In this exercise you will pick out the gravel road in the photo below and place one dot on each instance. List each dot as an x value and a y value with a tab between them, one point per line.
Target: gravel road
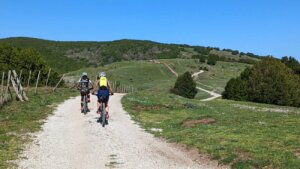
72	140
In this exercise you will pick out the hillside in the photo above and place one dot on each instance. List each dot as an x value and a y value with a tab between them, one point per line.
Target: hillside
69	56
146	75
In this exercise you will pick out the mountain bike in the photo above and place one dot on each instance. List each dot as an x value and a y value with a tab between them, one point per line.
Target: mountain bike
102	110
84	102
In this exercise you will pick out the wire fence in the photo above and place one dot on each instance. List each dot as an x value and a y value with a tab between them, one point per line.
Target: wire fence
11	82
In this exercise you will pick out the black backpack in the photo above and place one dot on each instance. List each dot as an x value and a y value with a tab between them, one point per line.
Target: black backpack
84	82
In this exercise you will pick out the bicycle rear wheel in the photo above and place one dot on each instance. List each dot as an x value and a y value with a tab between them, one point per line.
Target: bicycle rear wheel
103	114
84	104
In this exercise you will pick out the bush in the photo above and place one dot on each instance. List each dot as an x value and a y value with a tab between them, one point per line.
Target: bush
236	89
268	81
185	86
235	52
212	59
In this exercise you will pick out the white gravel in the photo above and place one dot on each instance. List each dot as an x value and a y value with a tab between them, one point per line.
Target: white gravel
72	140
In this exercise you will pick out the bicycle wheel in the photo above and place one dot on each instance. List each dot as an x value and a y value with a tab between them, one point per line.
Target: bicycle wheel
84	104
103	114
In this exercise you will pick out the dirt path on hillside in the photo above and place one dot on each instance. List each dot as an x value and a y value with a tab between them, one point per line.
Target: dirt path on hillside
194	75
213	94
172	70
70	139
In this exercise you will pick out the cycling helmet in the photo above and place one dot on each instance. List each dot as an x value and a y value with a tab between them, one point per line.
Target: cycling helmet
84	74
102	74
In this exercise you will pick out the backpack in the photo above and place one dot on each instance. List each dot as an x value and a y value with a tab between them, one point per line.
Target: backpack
103	82
84	83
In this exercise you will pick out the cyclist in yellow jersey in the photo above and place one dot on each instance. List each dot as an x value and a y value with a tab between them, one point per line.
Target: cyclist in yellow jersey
104	88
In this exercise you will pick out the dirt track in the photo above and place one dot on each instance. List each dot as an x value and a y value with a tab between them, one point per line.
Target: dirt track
70	139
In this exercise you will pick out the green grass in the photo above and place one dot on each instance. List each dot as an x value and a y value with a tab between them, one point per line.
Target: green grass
142	75
19	119
245	135
139	74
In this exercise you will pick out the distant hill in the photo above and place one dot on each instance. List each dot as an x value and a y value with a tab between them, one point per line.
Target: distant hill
67	56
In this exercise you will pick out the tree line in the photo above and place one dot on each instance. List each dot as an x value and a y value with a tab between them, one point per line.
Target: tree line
212	59
25	60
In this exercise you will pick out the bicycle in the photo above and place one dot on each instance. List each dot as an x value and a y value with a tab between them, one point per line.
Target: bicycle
84	102
102	110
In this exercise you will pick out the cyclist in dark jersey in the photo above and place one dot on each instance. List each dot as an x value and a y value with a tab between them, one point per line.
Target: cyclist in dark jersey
85	85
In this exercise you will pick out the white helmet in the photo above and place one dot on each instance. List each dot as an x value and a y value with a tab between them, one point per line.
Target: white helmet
84	74
102	74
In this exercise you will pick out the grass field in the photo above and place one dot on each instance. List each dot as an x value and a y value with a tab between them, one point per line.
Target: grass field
139	74
142	75
241	134
19	119
146	75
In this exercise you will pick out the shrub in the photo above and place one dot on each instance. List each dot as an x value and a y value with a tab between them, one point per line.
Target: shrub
268	81
185	86
235	52
212	59
202	59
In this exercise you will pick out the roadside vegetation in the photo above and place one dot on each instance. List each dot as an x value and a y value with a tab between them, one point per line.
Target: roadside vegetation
26	60
240	134
19	119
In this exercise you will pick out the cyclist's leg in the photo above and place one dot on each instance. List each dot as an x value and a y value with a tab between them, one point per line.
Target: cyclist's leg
107	109
88	97
98	106
106	103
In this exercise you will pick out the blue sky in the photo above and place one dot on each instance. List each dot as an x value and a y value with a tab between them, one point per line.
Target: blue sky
259	26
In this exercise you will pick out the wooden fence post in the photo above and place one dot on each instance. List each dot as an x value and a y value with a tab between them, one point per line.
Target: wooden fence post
20	75
2	83
2	90
8	79
37	82
48	77
17	85
58	82
29	79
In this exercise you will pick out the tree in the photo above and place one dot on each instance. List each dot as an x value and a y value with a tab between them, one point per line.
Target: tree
273	82
235	52
202	59
292	63
185	86
268	81
212	59
236	89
